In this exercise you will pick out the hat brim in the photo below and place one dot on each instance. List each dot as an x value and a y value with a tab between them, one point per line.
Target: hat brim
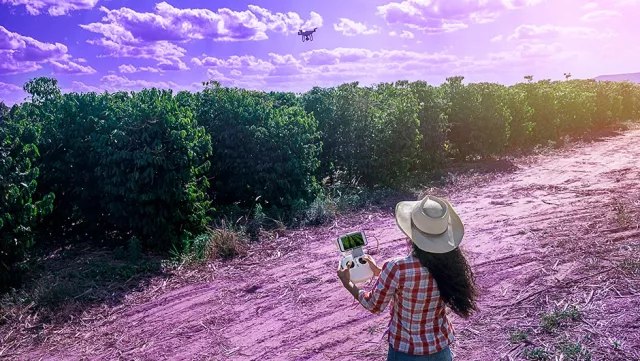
427	242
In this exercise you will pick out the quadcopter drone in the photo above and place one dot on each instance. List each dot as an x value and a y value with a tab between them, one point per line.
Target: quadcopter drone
307	35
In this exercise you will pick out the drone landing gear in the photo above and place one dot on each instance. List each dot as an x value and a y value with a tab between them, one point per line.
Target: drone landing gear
307	38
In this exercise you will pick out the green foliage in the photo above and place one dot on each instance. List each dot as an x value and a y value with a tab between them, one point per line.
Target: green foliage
261	149
151	167
368	133
521	126
146	167
134	250
576	107
126	163
518	336
344	124
42	90
478	117
574	351
396	136
432	152
541	97
536	354
20	207
551	321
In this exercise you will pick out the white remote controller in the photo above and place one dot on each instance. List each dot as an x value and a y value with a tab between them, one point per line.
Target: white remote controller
359	269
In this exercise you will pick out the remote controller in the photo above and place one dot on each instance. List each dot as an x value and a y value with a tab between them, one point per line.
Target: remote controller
350	246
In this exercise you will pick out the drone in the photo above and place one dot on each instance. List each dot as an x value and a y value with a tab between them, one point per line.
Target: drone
307	35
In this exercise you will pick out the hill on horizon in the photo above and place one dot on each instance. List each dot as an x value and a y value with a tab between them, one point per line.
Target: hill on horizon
632	77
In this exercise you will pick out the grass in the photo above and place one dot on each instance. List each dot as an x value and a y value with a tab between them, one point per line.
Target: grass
225	241
518	336
562	349
568	351
60	286
553	320
574	351
536	353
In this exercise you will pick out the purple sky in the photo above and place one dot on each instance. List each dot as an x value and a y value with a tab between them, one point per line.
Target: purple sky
95	45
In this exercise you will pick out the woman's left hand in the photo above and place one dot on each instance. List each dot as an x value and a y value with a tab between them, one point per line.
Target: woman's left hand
344	275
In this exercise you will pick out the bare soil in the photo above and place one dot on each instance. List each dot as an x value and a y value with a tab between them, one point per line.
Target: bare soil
546	232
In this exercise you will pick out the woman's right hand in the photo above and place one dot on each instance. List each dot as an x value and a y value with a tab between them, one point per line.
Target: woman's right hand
374	267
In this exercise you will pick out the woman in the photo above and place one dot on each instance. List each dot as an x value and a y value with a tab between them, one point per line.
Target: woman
433	276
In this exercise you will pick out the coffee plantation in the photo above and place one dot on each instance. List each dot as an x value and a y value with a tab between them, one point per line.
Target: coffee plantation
159	167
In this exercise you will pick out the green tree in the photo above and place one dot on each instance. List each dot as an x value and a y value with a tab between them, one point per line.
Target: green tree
432	152
261	149
20	208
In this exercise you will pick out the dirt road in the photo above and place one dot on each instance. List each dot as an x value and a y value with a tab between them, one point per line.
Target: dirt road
558	231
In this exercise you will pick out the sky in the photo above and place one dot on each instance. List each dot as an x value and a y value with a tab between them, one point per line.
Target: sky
111	45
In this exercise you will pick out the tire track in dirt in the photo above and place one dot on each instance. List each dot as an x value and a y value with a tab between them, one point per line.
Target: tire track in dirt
291	306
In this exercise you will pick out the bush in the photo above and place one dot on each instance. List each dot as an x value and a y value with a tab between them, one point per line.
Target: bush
145	167
127	164
432	151
368	133
478	118
261	151
396	136
20	208
576	106
521	112
344	122
542	99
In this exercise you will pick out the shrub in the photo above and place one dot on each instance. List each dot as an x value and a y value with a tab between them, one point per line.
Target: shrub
134	164
396	136
432	152
541	98
261	151
368	133
576	105
151	161
20	208
521	112
137	167
344	120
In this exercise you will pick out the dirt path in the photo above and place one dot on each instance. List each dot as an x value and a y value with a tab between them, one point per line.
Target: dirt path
557	231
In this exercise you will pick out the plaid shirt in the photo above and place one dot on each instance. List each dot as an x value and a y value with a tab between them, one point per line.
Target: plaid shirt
419	324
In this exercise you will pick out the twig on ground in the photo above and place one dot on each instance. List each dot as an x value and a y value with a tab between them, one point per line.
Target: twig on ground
563	284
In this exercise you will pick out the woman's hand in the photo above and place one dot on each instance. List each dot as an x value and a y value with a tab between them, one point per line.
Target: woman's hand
344	275
374	267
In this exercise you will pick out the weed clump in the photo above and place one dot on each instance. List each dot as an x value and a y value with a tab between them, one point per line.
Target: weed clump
551	321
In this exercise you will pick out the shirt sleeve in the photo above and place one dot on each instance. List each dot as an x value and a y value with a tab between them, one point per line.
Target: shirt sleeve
379	297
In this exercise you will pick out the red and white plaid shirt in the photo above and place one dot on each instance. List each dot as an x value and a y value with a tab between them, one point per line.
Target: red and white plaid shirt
419	324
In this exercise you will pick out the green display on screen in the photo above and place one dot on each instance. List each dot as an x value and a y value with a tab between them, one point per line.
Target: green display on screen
352	241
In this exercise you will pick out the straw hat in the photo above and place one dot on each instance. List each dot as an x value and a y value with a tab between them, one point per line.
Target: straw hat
431	223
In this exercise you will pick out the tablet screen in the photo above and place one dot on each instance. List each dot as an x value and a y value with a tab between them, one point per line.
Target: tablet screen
351	241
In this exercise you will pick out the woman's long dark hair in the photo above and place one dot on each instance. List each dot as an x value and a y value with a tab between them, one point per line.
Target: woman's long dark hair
454	277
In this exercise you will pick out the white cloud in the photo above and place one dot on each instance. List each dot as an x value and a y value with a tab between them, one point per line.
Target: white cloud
443	16
53	7
600	15
130	69
351	28
546	32
70	68
405	34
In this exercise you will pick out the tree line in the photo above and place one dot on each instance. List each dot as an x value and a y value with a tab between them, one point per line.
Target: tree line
159	165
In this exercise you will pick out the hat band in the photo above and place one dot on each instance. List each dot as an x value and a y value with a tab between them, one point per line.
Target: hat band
449	231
